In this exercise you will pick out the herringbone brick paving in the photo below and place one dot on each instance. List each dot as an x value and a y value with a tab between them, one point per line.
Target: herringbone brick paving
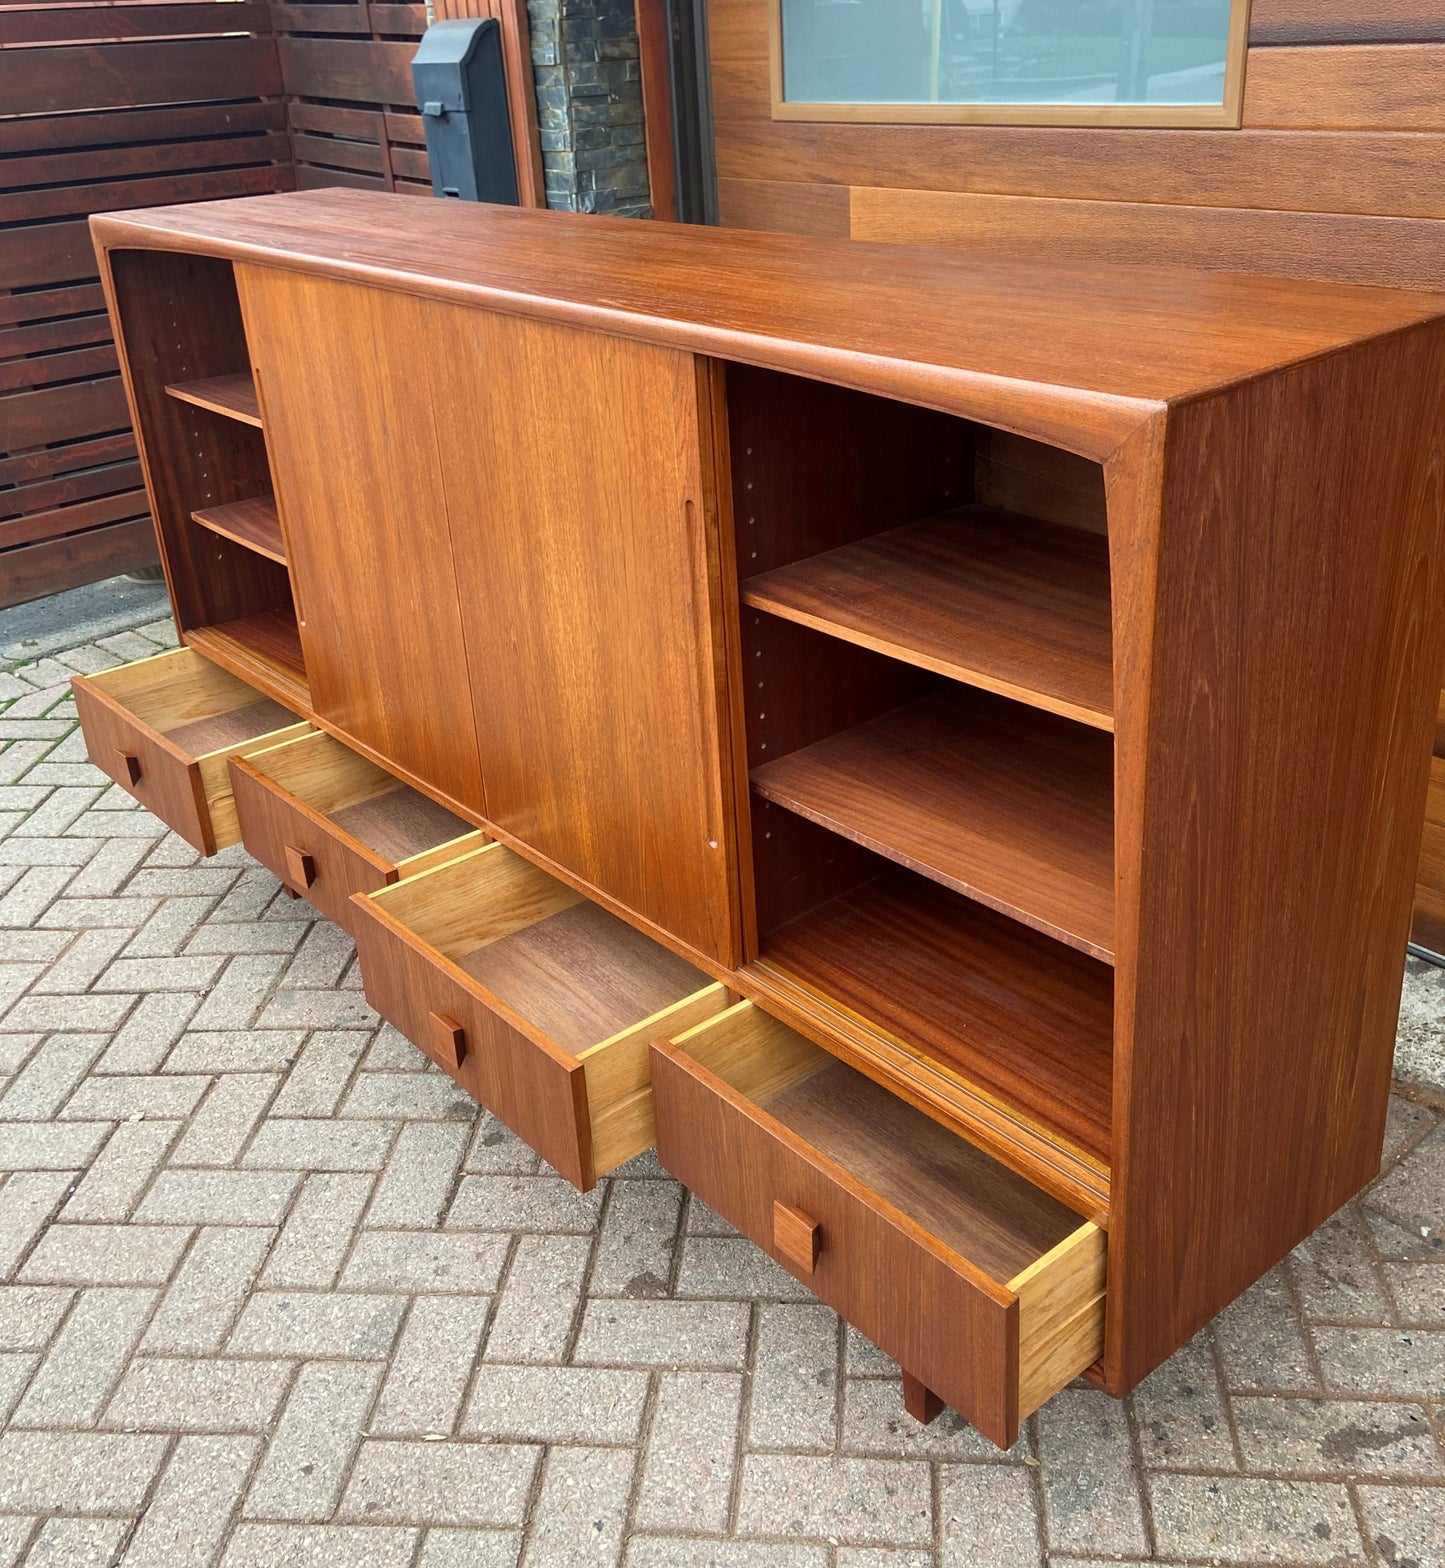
273	1292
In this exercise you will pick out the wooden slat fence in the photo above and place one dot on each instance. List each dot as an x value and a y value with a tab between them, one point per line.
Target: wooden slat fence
346	69
104	106
138	103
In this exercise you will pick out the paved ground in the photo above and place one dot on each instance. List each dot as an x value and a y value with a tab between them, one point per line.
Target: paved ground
273	1293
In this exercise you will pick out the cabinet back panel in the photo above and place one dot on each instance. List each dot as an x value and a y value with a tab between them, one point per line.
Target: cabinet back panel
816	466
179	320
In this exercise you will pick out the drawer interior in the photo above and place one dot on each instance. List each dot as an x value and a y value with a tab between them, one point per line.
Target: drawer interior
197	706
957	1193
392	819
567	966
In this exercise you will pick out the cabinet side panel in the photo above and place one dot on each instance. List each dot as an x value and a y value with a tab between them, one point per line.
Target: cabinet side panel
343	376
587	565
1274	748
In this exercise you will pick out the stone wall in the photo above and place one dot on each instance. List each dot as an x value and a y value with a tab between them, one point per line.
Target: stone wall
589	105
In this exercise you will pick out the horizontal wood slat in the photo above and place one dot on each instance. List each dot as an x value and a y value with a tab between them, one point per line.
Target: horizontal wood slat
46	253
113	76
77	23
361	72
339	152
1392	174
118	195
1344	21
113	128
93	164
1392	87
40	370
63	413
1402	252
104	107
45	337
37	569
793	208
69	487
72	519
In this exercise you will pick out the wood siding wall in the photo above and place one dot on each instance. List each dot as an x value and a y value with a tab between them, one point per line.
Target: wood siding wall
1335	172
104	107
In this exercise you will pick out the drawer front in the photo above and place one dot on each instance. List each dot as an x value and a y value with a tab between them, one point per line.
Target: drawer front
585	1105
162	777
950	1326
537	1090
191	793
310	854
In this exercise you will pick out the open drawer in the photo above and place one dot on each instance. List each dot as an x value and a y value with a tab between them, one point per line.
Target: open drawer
165	729
988	1292
540	1003
331	824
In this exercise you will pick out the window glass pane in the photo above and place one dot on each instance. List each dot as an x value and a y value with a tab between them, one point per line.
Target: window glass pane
1005	51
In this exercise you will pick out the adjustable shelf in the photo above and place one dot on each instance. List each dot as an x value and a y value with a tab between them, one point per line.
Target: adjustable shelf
234	396
1008	603
254	523
1023	1018
1012	807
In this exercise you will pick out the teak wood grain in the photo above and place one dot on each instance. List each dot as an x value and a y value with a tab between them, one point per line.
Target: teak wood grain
1012	807
585	544
234	396
1271	460
551	1033
1074	353
1297	700
254	523
1008	603
316	804
165	728
1027	1020
370	549
913	1235
177	319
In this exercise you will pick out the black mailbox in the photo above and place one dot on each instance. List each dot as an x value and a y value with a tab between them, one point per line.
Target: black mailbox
462	95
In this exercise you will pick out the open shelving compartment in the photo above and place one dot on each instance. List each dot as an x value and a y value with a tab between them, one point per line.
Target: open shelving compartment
927	671
196	401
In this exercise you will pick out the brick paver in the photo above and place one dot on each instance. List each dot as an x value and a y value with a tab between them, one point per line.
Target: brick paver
273	1293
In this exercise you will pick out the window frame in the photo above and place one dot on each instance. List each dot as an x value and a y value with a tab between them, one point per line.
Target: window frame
1226	115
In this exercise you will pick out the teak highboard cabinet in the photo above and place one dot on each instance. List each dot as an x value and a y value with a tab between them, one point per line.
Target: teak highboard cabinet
937	743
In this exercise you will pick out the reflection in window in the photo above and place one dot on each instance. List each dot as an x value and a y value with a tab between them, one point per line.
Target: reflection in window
1005	51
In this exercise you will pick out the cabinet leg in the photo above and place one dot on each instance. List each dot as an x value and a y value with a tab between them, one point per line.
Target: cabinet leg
290	892
920	1401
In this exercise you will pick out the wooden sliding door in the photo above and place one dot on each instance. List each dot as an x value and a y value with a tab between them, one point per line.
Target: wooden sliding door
344	378
583	528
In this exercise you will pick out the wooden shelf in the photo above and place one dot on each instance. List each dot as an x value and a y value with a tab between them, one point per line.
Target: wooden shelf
233	396
254	523
1008	603
1012	807
264	648
1022	1018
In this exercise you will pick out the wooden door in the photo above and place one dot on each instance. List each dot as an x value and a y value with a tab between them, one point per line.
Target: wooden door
344	379
583	532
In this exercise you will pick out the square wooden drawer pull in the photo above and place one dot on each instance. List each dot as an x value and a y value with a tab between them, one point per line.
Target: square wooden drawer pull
797	1236
129	766
448	1040
300	867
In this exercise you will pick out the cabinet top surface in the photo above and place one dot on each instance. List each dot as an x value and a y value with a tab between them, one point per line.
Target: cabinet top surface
1078	353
